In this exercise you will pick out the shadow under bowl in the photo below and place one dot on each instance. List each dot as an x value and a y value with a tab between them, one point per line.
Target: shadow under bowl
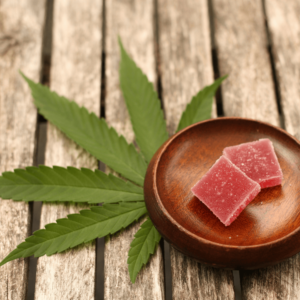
266	232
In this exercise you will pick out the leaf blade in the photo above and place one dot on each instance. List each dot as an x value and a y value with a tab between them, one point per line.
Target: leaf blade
66	184
90	132
143	106
143	245
199	109
77	229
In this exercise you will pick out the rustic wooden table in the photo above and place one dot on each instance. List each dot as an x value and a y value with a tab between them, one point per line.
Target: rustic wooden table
71	45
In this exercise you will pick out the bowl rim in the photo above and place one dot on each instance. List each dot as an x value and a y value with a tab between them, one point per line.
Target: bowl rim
181	228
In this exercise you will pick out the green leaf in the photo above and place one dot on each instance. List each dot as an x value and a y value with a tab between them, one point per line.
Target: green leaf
143	245
71	184
90	132
199	109
77	229
143	105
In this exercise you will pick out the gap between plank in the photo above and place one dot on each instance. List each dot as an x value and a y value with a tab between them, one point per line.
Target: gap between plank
41	137
165	246
157	57
100	242
237	285
100	246
220	113
219	100
36	208
272	62
214	55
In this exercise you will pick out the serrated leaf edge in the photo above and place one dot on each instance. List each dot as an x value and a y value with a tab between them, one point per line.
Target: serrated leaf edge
157	238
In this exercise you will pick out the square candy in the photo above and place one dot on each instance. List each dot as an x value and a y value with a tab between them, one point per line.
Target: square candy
257	160
225	190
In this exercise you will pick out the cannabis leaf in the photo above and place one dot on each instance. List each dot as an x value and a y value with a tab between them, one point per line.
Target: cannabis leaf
199	109
71	184
143	245
77	229
144	107
90	132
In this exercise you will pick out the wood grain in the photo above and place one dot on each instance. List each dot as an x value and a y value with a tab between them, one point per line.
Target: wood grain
21	27
133	21
280	282
284	26
76	74
186	67
185	54
241	43
199	281
283	280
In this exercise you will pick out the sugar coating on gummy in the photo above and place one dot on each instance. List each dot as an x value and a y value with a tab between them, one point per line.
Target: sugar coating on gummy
258	161
225	190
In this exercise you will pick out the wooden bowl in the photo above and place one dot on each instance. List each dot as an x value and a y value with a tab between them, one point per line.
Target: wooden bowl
266	232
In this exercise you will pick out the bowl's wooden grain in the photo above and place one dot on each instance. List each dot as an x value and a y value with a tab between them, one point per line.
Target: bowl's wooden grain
266	232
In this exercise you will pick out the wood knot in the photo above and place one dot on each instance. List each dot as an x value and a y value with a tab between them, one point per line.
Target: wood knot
7	42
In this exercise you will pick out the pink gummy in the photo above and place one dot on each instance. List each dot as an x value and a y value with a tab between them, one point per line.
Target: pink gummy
257	160
225	190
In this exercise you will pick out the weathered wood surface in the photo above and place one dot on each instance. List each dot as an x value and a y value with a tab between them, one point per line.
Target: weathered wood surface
281	281
284	27
185	54
241	43
76	74
133	21
21	28
186	67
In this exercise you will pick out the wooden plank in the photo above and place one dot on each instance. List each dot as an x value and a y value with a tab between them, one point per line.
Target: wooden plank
284	26
185	53
242	53
281	281
199	281
249	91
133	21
186	67
21	28
76	74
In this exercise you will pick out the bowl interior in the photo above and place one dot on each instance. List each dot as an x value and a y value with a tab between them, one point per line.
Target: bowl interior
274	212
